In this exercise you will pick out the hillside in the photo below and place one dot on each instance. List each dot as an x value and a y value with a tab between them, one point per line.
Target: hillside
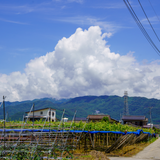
112	105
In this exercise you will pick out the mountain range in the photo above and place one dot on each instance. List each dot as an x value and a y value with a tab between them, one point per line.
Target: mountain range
111	105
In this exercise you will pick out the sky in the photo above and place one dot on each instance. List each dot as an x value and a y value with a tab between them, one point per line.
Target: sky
70	48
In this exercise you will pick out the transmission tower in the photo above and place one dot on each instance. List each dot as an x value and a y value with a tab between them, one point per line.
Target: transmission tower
126	110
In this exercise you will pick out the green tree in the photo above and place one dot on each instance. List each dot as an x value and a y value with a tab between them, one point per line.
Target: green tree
105	119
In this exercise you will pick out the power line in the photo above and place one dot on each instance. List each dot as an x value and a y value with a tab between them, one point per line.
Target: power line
148	20
141	26
154	10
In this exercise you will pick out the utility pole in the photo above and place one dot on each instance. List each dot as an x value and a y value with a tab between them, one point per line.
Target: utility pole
150	113
33	115
4	120
121	114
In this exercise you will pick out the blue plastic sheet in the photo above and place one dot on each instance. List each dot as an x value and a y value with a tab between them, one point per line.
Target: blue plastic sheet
138	132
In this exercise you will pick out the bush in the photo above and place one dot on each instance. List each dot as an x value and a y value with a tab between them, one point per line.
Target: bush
105	119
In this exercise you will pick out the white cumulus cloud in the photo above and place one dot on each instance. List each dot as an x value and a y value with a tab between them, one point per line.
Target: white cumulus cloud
82	65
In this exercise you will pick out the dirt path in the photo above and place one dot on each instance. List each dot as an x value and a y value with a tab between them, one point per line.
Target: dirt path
151	152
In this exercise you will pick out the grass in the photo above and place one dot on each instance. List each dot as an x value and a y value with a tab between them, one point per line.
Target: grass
131	150
127	151
93	155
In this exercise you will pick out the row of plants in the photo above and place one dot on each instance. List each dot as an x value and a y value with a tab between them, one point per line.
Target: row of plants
91	126
26	152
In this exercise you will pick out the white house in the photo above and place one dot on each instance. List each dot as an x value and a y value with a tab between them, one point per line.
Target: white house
45	113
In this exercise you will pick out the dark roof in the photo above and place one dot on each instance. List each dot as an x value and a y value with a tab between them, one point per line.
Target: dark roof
131	117
36	116
79	119
156	126
98	117
146	126
41	109
114	120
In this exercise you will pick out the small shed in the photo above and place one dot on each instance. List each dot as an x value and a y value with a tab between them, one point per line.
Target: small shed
45	113
135	120
65	119
157	126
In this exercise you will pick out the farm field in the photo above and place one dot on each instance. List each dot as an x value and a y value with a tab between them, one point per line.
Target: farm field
91	126
59	137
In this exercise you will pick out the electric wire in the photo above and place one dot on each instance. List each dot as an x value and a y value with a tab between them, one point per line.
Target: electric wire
136	20
139	23
148	20
141	26
154	10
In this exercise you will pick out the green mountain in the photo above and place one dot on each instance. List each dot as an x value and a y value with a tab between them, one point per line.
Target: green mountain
112	105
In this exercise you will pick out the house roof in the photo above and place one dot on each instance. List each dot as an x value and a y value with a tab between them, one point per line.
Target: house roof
146	126
36	116
156	126
98	117
40	109
150	126
132	117
79	119
114	120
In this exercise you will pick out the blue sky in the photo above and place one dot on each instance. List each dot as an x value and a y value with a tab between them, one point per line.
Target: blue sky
32	28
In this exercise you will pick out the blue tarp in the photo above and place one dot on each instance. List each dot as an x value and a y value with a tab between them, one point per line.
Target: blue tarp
138	132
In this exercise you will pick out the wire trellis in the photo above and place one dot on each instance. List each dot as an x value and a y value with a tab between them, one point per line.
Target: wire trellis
45	143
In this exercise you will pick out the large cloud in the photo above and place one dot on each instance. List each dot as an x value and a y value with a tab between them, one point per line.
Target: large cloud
82	65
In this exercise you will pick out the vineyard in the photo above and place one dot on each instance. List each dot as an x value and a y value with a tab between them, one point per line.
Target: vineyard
59	139
91	126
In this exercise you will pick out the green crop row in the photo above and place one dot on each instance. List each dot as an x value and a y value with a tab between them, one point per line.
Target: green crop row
91	126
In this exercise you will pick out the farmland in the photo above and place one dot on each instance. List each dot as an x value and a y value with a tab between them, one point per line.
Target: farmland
56	139
91	126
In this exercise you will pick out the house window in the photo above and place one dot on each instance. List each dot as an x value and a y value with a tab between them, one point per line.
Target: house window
41	113
53	114
49	112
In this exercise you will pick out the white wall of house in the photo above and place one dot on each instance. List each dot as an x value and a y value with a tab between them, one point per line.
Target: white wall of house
44	112
38	113
53	114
